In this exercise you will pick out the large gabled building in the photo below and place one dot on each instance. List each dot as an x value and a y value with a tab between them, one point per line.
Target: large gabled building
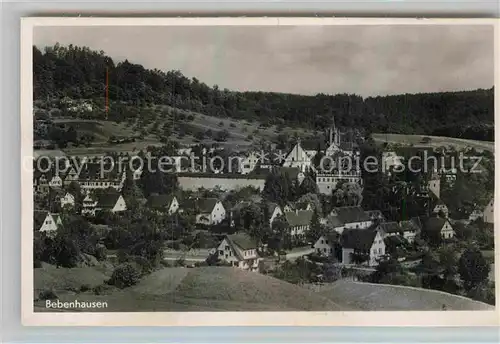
240	251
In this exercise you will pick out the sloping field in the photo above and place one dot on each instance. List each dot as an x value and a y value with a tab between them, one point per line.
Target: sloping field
200	289
383	297
102	130
234	285
436	141
51	277
242	133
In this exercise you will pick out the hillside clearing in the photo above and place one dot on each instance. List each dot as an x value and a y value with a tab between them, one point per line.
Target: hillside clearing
242	133
436	141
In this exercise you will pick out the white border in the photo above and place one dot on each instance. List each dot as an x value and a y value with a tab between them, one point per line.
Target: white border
371	318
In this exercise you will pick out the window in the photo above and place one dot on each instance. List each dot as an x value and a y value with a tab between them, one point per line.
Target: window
221	252
380	250
374	251
227	247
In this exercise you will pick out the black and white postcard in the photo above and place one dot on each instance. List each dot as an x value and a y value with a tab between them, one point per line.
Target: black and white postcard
258	171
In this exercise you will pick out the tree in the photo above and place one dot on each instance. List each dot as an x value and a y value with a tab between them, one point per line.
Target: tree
312	199
473	268
130	190
280	237
251	218
158	182
277	188
387	271
68	254
316	229
76	72
222	135
125	275
308	186
448	260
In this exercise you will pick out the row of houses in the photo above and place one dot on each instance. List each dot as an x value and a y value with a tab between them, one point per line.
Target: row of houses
90	176
370	240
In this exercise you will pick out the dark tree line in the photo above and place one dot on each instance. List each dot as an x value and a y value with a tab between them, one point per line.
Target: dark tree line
78	72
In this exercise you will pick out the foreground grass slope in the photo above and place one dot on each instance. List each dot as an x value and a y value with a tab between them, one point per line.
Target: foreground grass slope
383	297
182	289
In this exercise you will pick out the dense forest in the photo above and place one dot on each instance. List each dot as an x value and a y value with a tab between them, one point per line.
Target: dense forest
80	73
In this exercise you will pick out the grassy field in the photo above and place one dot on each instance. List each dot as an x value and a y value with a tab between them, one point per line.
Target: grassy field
51	277
436	141
183	289
231	289
368	296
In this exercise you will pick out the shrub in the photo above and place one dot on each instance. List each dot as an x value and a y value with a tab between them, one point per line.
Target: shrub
84	288
47	294
165	264
101	253
98	290
124	276
232	125
190	118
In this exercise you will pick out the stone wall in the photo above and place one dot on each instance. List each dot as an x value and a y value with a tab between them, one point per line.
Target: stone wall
194	183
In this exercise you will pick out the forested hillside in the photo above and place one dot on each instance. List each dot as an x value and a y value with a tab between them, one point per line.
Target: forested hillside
79	72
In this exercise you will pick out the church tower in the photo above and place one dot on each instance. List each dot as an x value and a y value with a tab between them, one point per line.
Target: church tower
434	184
334	134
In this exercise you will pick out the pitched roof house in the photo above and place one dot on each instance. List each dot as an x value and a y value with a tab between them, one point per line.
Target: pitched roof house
45	221
112	202
438	206
334	223
366	243
410	229
163	203
352	217
101	176
488	213
299	222
390	228
375	215
273	211
437	225
239	250
209	211
325	245
298	157
67	200
475	214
